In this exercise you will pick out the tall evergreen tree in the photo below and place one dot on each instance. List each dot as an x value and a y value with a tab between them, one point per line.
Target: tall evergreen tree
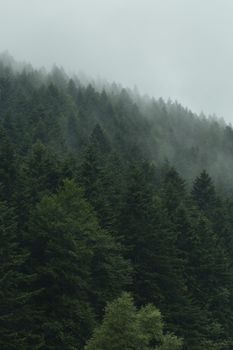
8	168
203	193
14	297
150	241
77	267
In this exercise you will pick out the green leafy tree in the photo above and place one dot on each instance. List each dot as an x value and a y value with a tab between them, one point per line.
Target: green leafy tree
124	327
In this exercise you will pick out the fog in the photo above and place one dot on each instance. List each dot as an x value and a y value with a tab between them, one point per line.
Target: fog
171	48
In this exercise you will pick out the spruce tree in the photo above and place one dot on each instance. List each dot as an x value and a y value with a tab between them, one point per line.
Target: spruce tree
203	193
77	266
14	295
150	241
8	169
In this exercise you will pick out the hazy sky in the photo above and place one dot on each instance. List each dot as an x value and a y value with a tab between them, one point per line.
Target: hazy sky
182	49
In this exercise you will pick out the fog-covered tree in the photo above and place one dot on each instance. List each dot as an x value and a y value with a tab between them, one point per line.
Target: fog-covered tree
136	212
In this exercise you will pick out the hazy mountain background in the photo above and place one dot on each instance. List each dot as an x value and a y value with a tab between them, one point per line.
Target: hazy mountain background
163	132
167	48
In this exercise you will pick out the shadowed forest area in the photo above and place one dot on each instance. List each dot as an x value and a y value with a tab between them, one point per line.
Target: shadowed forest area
116	218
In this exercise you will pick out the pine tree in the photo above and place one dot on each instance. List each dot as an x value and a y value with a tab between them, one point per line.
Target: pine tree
203	193
150	241
14	297
100	174
8	170
77	266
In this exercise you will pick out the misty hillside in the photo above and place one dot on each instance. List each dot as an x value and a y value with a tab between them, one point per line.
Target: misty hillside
116	224
62	113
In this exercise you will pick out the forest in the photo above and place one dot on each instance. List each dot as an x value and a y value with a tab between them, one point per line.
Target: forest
116	218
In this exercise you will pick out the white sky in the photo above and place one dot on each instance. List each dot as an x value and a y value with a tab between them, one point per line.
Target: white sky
182	49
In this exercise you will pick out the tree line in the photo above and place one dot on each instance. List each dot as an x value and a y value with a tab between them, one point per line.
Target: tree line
105	243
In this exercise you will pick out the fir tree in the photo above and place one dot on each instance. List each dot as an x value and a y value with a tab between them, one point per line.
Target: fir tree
14	296
203	193
77	268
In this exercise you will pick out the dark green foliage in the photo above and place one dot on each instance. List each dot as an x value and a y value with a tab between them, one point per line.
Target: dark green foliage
8	171
88	210
67	251
14	296
203	193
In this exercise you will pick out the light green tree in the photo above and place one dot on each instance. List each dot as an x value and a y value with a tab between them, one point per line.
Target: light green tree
126	328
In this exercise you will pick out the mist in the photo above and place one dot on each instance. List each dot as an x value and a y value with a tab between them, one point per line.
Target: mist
169	48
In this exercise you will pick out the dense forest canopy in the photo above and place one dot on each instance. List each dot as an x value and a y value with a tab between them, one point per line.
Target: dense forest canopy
56	109
115	209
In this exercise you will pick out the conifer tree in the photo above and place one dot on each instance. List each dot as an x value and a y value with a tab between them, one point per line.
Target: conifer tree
8	170
203	193
77	266
150	241
14	296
